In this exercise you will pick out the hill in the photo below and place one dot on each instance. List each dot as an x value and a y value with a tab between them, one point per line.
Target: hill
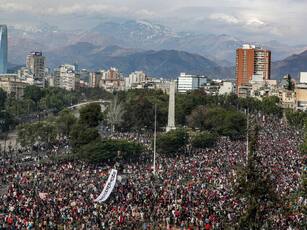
292	65
166	63
136	34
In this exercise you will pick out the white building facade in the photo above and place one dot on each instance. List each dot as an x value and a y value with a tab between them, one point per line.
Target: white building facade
67	77
190	82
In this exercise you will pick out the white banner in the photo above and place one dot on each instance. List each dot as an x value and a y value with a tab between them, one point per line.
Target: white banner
108	188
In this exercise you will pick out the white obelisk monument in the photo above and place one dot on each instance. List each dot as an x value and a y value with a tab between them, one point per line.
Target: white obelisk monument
171	107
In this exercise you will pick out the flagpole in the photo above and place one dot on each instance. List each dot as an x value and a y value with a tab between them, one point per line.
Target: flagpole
247	136
155	141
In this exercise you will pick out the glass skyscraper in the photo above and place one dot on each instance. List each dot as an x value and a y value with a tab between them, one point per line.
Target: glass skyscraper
3	49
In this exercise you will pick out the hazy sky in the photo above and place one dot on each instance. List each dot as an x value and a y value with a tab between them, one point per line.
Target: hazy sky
283	20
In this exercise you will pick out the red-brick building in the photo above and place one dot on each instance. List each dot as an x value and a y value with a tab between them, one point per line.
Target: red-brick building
251	61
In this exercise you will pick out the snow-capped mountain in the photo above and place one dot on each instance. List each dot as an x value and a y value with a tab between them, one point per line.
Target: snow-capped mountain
138	35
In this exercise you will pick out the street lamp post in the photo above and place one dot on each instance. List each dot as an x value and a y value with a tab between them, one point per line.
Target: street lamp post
155	141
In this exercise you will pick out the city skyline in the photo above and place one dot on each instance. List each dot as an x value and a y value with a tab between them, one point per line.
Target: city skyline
244	18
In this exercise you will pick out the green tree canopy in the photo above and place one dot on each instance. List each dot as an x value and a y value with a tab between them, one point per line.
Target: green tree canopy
139	108
38	132
65	121
218	120
296	118
7	121
33	92
90	115
203	140
110	150
270	106
81	135
171	142
3	97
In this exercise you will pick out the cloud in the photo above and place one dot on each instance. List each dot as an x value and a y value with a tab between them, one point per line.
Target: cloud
85	9
224	18
14	7
255	22
269	18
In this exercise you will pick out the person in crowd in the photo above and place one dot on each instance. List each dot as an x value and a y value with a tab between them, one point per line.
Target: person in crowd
192	191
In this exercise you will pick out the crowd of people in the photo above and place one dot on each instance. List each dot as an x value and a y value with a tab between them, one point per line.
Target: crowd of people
194	191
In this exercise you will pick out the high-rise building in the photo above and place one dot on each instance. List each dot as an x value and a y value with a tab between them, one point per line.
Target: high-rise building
94	79
135	80
251	61
112	80
3	49
36	64
67	77
188	82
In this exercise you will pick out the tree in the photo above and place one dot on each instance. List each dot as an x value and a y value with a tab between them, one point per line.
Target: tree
27	134
290	85
24	135
55	101
7	121
256	188
203	140
171	142
46	132
115	113
65	122
234	125
198	118
140	109
270	106
3	97
90	115
218	120
81	134
296	118
33	92
139	114
110	150
40	132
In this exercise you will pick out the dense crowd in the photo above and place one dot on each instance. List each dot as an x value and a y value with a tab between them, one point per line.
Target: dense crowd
193	191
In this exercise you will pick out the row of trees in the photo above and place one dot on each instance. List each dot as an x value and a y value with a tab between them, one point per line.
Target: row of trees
46	132
134	110
83	136
296	118
138	107
99	151
224	122
36	99
180	141
87	144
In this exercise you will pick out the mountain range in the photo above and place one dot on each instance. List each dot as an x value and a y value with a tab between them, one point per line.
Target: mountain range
134	45
292	65
164	63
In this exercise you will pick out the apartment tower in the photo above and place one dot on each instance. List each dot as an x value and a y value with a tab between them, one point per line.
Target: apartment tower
250	61
36	64
3	49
